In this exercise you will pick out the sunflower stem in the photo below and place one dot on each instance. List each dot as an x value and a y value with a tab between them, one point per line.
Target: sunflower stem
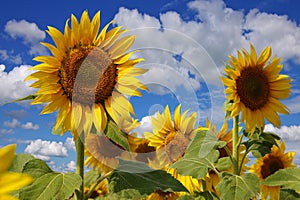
235	145
80	165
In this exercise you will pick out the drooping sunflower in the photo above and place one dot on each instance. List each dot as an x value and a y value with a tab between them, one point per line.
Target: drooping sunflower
87	75
268	165
170	139
255	87
225	135
10	181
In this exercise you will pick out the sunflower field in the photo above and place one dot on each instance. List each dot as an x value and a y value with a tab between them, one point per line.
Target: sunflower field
88	79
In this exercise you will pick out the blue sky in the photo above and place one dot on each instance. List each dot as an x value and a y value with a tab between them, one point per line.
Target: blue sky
185	44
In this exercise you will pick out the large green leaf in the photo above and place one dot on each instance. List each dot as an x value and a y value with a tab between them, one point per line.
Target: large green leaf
36	168
195	166
142	179
129	194
117	136
90	177
235	187
52	186
288	178
202	144
19	162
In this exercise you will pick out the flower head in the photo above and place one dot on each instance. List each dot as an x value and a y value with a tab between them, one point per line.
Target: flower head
87	75
268	165
255	86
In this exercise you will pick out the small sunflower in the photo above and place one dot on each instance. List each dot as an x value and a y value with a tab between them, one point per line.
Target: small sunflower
255	86
10	181
160	195
170	139
87	75
100	190
268	165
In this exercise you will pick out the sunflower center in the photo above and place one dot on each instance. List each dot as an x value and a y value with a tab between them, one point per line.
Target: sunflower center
88	75
271	165
253	88
145	151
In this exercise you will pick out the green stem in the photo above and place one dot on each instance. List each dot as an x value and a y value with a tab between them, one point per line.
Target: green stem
80	165
90	192
243	159
235	145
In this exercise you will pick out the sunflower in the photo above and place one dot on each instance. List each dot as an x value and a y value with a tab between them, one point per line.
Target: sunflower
100	190
268	165
160	195
10	181
212	179
87	75
170	139
254	86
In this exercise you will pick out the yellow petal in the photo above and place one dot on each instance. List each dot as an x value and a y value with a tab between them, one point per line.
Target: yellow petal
121	46
57	37
7	155
101	36
95	26
177	118
13	181
54	105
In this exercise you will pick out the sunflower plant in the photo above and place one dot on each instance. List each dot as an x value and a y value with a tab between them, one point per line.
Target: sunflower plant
88	79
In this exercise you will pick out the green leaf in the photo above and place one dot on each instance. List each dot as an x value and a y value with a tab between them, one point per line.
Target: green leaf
235	187
207	196
223	164
117	136
52	186
129	194
195	166
29	97
90	177
289	194
36	168
202	144
19	162
288	178
143	180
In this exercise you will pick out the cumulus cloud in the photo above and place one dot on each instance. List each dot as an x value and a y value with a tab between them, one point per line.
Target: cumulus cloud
145	126
10	57
71	166
6	131
17	124
291	133
12	83
17	114
29	33
69	144
44	149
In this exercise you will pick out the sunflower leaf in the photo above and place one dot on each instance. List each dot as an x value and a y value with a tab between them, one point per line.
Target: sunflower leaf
36	168
289	194
288	178
29	97
202	144
139	176
195	166
52	186
238	187
19	162
90	177
117	136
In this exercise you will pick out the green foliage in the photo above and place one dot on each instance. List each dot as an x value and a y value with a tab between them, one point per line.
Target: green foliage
138	176
19	162
289	195
117	136
52	186
36	168
207	196
29	97
90	178
129	194
260	144
235	187
288	178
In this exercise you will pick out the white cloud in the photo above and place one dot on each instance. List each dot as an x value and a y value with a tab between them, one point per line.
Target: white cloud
10	57
12	83
17	114
43	149
145	126
17	124
6	131
291	133
29	33
71	166
69	144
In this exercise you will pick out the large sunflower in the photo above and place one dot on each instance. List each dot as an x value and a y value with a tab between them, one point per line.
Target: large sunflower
255	86
268	165
170	139
10	181
87	75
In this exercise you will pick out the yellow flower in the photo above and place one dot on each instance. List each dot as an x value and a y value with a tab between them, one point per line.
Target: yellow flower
100	190
212	179
255	87
10	181
160	195
268	165
87	75
170	139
